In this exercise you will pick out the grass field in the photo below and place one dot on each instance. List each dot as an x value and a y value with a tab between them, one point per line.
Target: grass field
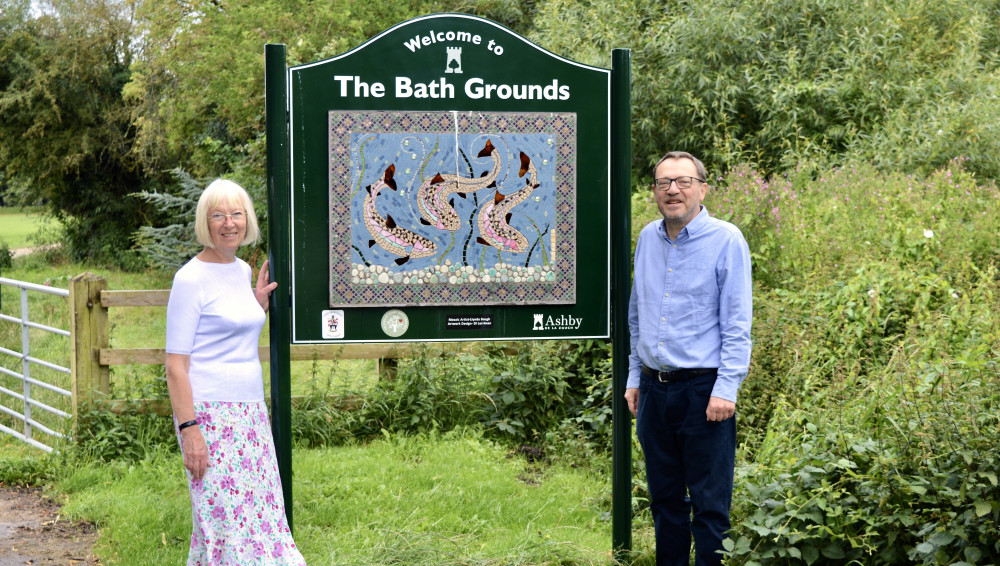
450	499
17	225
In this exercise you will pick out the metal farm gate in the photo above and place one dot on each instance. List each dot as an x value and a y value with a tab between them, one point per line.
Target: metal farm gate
25	399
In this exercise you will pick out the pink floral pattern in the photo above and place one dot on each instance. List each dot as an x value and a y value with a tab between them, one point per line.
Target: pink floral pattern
237	508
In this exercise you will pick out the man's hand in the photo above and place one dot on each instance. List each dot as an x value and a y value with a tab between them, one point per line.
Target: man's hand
632	398
264	287
719	409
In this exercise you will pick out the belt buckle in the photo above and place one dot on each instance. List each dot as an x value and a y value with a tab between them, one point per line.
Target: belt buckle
661	374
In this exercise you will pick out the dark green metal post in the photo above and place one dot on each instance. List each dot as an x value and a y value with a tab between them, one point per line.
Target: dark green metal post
278	197
621	283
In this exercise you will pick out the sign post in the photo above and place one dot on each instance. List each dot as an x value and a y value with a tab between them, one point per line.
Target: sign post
621	269
276	116
448	180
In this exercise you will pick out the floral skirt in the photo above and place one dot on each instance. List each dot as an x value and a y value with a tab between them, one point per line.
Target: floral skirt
237	508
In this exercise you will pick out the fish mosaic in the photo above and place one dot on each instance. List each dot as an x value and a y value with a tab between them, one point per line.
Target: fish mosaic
452	208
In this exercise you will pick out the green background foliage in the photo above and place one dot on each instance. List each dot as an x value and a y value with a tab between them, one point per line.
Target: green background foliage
66	136
904	85
854	143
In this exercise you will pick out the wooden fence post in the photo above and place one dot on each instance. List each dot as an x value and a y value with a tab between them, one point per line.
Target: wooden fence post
89	328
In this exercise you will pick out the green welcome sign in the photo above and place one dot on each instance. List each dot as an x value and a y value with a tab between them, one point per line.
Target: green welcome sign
448	180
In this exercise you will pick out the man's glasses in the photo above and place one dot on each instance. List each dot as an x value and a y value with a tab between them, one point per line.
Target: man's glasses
683	183
219	217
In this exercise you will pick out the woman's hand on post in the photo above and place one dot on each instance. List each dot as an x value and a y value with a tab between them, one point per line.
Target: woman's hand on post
264	286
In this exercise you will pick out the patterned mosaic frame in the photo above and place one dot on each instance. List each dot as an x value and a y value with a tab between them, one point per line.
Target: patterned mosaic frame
363	276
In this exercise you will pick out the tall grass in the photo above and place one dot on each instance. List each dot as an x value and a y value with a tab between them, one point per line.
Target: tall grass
874	386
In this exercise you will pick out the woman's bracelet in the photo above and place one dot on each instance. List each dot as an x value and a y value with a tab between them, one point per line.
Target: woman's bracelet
183	426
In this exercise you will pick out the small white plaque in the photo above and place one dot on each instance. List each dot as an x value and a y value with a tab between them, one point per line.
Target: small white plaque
333	324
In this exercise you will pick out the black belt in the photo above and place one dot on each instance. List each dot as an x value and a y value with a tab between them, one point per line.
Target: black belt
677	374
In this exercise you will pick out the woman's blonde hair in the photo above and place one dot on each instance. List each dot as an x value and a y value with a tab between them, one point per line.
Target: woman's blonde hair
217	193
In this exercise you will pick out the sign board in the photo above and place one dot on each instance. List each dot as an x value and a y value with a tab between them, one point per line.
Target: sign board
449	181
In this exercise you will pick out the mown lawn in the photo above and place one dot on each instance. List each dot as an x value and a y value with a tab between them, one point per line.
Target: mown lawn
456	499
17	225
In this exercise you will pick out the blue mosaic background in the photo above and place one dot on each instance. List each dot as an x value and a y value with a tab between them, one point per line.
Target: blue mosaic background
418	158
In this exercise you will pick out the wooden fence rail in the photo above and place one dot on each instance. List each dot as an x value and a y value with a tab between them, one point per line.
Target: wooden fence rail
93	356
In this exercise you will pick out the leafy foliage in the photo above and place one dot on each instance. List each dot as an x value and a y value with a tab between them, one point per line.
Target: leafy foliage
871	437
65	136
32	470
171	245
197	97
529	395
908	84
129	435
6	256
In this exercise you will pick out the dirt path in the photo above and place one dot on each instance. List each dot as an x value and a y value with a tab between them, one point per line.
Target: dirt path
19	252
32	532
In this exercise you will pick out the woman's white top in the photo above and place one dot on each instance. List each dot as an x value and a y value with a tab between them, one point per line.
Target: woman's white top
214	317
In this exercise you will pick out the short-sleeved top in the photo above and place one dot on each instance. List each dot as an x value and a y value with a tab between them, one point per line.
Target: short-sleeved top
214	317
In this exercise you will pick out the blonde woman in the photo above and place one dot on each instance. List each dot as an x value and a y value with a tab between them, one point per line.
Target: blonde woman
214	319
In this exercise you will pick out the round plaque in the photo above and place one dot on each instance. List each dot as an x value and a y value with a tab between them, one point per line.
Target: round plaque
395	323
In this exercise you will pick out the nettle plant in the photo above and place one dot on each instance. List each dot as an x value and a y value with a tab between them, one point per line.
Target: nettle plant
891	461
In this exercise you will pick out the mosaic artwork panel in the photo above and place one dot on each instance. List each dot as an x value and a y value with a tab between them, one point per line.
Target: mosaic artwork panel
452	208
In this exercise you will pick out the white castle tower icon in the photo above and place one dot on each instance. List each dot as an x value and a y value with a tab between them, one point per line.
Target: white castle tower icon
454	62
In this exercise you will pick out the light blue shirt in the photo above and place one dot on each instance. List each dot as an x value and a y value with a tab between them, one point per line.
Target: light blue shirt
691	303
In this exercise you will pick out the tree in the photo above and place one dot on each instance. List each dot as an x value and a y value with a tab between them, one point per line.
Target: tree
65	134
908	84
198	95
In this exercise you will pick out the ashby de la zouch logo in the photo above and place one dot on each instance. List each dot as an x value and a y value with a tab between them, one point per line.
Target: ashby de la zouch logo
561	322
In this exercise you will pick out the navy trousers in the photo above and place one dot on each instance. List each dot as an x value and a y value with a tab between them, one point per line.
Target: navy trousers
689	468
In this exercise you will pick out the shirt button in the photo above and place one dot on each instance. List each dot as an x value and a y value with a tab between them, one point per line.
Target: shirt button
661	343
671	270
663	319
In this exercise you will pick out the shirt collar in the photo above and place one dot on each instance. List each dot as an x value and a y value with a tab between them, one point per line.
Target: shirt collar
693	227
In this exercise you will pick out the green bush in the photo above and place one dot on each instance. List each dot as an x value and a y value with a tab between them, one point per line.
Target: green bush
6	256
318	422
129	435
546	382
429	392
33	470
874	391
426	393
906	472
